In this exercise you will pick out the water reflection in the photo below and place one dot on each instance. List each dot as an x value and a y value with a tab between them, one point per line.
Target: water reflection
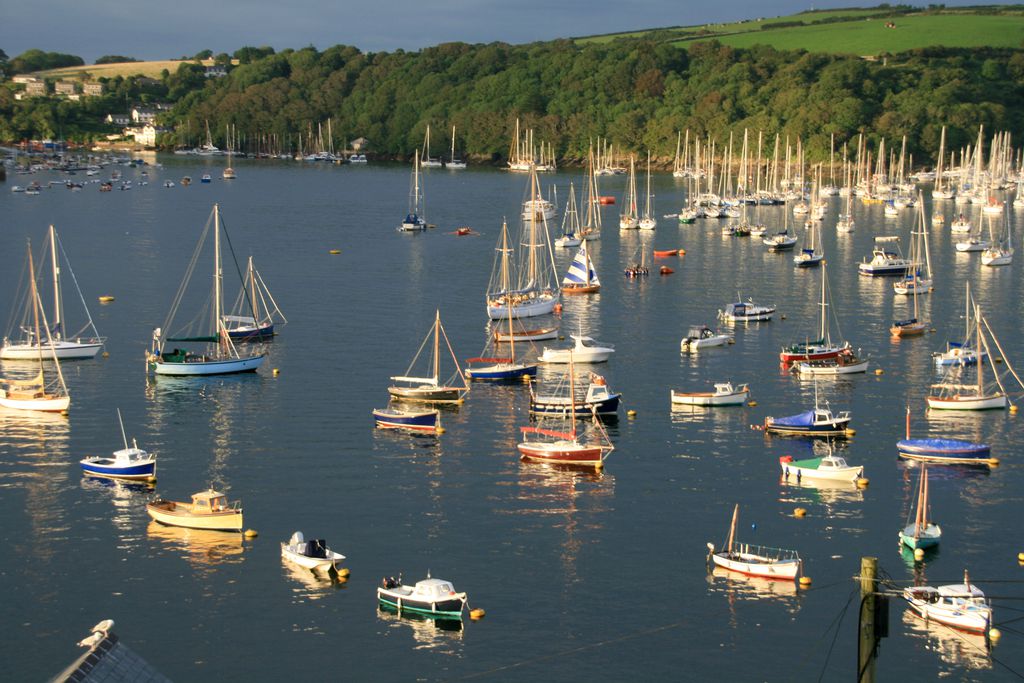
204	550
309	585
738	588
440	635
958	648
128	498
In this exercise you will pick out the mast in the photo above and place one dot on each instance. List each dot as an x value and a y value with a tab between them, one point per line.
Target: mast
217	273
453	143
732	526
572	397
252	290
824	304
57	312
506	286
647	205
35	306
437	348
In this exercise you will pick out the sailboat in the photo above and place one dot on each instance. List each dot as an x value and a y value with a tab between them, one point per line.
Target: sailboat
64	346
535	292
504	368
782	240
571	231
431	389
629	219
962	353
951	395
647	219
923	533
822	347
1000	254
221	357
36	393
453	163
590	228
915	281
565	448
974	241
426	161
229	172
581	278
415	220
755	560
255	312
812	254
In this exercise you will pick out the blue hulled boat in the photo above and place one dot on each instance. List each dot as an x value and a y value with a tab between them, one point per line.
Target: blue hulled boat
950	451
127	463
817	422
417	420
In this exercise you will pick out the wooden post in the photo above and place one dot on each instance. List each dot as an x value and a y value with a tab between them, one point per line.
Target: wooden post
866	624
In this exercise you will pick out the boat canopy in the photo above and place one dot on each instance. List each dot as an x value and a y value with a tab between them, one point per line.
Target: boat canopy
193	339
805	419
948	446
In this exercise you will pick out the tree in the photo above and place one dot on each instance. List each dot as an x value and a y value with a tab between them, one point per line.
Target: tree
114	59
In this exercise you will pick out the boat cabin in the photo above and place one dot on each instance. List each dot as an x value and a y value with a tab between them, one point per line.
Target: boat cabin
699	332
433	589
209	502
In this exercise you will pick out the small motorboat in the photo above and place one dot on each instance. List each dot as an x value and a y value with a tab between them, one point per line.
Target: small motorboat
585	350
208	510
957	353
911	327
598	400
725	394
746	311
883	261
701	336
313	555
206	178
433	597
828	468
664	253
961	606
816	422
415	420
127	463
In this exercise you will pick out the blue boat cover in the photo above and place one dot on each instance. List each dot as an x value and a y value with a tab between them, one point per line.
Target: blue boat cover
943	446
801	420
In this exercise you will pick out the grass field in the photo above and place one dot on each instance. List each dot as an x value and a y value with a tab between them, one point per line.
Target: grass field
870	36
150	69
860	31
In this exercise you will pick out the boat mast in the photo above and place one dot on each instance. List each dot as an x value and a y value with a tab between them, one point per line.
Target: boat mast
217	273
823	330
35	306
123	435
437	348
506	286
57	312
647	204
252	290
732	527
572	397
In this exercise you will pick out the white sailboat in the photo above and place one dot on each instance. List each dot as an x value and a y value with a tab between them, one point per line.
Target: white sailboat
571	230
36	392
590	228
415	220
629	219
1000	254
754	560
255	312
426	161
29	346
220	356
453	163
923	532
535	290
918	278
647	218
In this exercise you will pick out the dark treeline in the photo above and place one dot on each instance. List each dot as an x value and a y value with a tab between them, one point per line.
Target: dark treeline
638	94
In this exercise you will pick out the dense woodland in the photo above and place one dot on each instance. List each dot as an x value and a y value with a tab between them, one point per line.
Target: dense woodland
636	93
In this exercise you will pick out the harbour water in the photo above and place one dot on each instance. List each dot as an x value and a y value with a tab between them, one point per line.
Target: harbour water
583	576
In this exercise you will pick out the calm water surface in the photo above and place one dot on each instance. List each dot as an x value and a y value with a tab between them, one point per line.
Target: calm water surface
583	576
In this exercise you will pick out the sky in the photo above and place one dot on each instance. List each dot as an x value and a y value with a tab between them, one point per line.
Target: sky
151	30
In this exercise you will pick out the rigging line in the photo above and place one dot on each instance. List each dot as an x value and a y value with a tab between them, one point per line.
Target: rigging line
81	297
238	269
838	621
575	650
188	276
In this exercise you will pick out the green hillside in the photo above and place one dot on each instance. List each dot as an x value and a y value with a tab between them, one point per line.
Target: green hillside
859	31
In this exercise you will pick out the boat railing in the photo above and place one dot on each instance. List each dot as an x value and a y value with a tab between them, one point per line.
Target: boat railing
767	552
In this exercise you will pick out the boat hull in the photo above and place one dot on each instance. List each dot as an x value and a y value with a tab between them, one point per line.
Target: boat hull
539	306
56	404
427	394
909	330
179	515
316	564
564	356
794	470
968	402
527	335
423	420
63	350
949	451
502	372
817	368
753	565
708	398
831	428
563	453
561	406
448	609
810	354
251	334
139	472
210	367
927	538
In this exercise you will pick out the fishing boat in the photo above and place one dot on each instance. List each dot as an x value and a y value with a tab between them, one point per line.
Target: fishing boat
647	220
816	422
414	420
220	356
85	343
846	363
36	392
915	280
415	220
746	311
883	261
924	532
754	560
629	219
571	229
532	274
209	509
950	394
566	447
597	400
126	463
255	312
430	389
581	277
432	597
962	606
1001	251
701	336
826	468
943	451
823	347
724	394
584	350
313	555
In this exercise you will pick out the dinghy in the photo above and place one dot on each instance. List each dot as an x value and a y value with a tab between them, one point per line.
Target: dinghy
755	560
725	394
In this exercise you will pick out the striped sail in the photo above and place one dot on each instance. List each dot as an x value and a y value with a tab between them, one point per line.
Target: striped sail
581	270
